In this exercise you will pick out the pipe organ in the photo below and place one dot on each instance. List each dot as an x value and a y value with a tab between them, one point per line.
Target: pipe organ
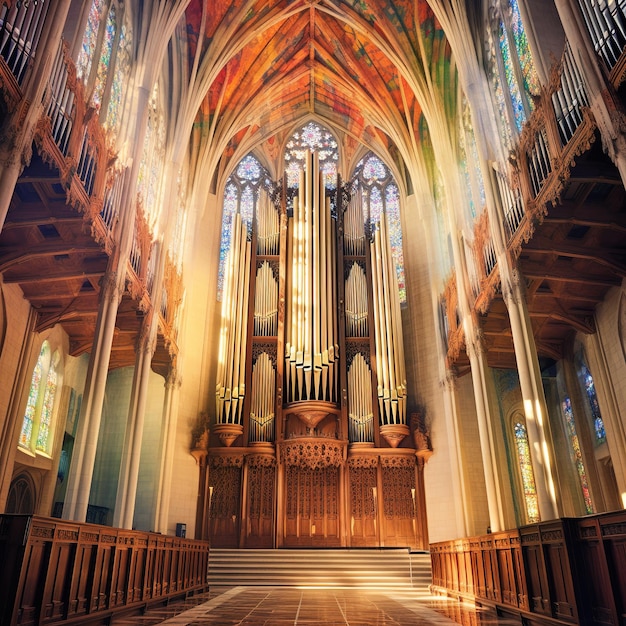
311	383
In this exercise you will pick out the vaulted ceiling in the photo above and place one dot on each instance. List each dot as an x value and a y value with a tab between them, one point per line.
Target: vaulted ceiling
373	69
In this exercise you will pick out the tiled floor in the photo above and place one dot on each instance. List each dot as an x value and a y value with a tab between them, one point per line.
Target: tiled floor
287	606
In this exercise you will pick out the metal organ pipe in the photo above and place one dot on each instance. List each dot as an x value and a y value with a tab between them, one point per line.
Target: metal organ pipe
388	331
230	388
311	346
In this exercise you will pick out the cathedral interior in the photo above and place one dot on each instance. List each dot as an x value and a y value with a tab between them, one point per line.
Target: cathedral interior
313	274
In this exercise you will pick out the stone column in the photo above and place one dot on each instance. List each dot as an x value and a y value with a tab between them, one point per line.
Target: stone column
131	454
166	450
533	397
83	459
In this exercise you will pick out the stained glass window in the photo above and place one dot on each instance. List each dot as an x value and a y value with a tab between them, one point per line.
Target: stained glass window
90	38
120	79
470	163
45	420
512	71
526	468
598	423
240	196
312	138
381	197
105	58
152	162
577	456
40	402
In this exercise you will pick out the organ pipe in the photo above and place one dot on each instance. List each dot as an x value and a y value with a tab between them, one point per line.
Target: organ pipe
356	302
266	302
388	331
360	414
353	227
267	227
263	399
311	346
230	388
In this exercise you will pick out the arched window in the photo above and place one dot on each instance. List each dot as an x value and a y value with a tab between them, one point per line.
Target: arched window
35	435
241	194
470	164
529	488
104	61
510	67
311	138
592	398
152	162
380	197
577	457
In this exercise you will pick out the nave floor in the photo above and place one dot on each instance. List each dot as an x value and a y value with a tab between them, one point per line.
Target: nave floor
290	606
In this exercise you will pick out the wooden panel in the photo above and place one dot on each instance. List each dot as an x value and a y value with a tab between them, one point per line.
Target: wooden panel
66	570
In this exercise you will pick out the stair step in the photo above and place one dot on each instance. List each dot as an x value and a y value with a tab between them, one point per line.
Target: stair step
320	568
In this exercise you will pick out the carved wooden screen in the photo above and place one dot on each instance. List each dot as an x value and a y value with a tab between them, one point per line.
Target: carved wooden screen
261	493
363	495
312	515
225	502
398	476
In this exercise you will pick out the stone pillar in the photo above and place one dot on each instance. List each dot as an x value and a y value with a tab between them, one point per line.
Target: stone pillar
166	450
478	365
83	459
131	454
535	409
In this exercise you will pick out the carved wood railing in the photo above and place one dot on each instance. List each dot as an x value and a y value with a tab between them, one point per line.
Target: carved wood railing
171	299
54	571
570	571
455	340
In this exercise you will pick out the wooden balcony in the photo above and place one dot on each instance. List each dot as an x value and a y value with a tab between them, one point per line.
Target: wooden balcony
63	224
563	221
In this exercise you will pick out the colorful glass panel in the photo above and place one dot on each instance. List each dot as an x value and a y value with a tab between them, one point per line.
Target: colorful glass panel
90	38
240	196
392	209
577	456
312	138
381	197
598	423
105	58
528	476
530	78
43	434
120	78
33	395
519	113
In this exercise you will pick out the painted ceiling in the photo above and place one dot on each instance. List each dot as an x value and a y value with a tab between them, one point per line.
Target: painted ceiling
375	69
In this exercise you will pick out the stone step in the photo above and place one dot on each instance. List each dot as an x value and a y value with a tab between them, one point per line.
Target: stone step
373	568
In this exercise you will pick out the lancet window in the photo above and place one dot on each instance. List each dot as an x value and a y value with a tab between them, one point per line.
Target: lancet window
529	488
576	453
152	162
35	435
104	59
241	195
510	67
470	164
379	199
592	398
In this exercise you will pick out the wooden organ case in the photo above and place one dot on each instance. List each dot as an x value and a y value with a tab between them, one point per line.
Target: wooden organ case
311	446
